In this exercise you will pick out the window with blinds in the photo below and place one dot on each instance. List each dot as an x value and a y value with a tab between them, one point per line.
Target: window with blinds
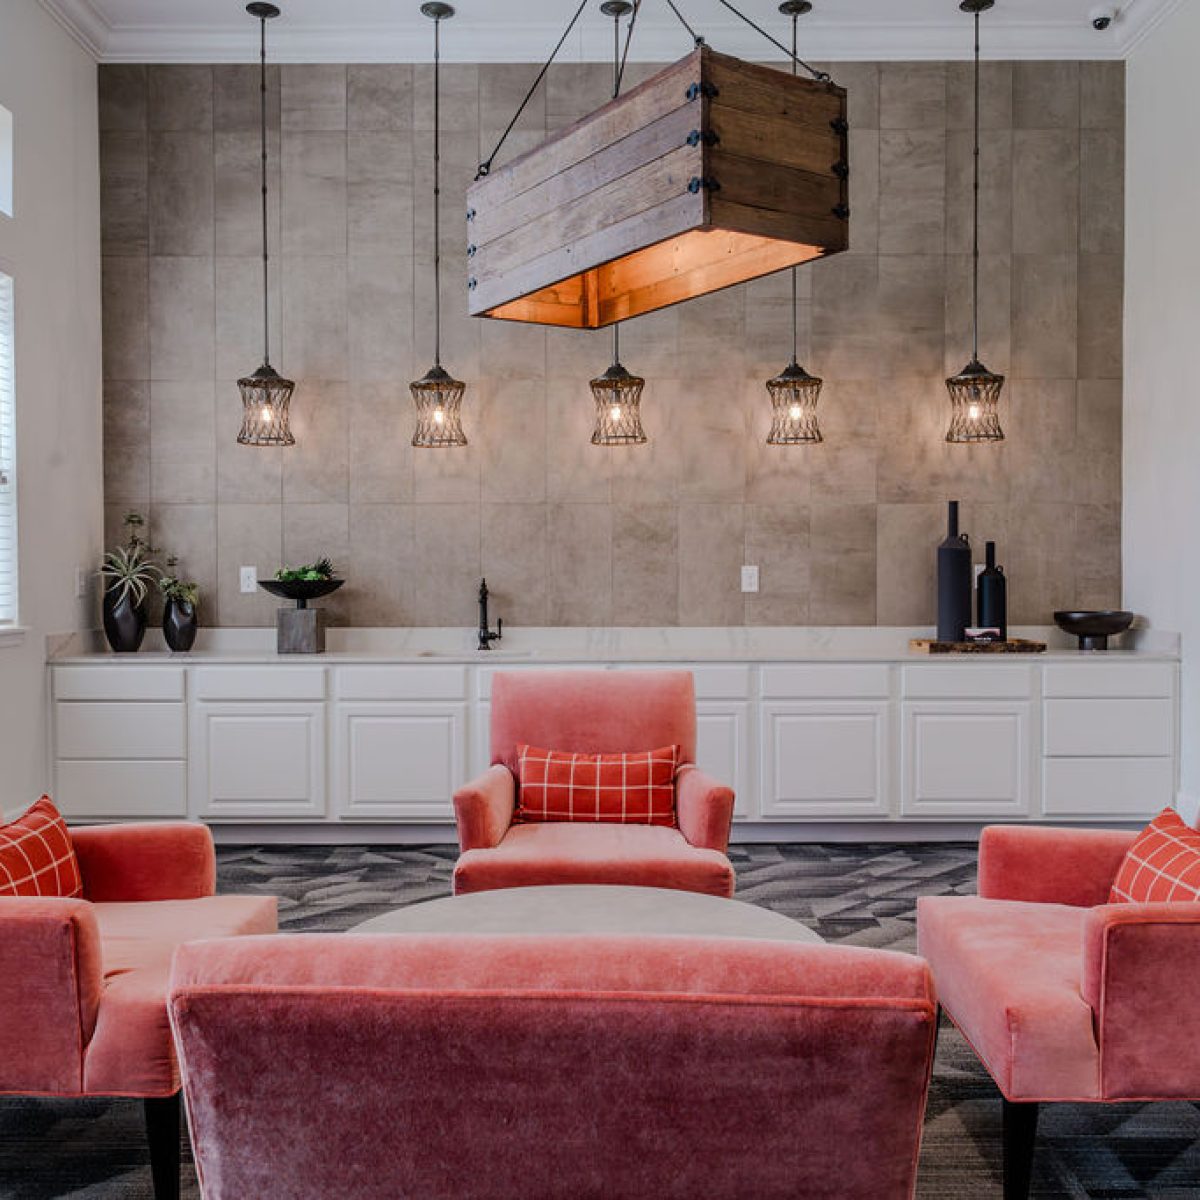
8	458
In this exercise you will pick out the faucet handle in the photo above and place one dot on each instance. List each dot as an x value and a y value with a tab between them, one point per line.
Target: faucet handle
499	629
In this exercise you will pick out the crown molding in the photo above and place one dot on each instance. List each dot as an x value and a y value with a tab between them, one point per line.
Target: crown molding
827	39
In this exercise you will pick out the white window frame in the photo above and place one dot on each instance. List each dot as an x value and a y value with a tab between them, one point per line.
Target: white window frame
9	579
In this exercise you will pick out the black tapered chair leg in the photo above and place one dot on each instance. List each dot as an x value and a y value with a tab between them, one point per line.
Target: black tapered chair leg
162	1132
1020	1134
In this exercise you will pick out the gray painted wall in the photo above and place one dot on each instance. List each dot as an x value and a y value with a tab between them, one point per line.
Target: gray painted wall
565	532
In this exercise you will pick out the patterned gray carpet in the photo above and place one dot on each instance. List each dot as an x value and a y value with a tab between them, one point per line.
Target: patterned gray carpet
863	895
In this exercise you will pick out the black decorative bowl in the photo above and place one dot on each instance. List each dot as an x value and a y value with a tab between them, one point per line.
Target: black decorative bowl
300	590
1093	629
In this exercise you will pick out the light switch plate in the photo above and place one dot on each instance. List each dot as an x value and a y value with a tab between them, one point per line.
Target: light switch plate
81	583
249	579
749	579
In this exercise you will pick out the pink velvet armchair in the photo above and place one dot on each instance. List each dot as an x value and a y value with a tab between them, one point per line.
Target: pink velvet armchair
463	1067
593	712
1063	996
83	982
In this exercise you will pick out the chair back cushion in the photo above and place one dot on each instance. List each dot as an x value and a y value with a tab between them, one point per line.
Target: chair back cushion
560	1067
626	789
36	855
1162	864
592	712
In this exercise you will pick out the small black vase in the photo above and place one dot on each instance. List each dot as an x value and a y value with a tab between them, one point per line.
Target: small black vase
124	621
179	625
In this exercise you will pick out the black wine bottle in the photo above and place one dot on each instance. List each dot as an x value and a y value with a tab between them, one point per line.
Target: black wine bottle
991	591
953	582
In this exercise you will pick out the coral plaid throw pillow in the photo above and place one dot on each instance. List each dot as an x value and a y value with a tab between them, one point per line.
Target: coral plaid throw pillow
1163	864
36	855
631	789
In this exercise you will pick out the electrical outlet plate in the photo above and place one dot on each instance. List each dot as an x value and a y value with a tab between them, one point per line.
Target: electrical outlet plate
749	579
249	579
81	583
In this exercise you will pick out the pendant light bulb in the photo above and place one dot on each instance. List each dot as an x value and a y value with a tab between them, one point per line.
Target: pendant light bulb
794	392
617	393
437	395
266	395
975	391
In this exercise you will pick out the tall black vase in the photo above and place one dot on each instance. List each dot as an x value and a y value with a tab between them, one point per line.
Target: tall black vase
124	621
179	625
953	582
991	589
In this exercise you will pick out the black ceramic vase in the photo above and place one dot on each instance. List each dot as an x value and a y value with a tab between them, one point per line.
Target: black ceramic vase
124	621
953	582
991	590
179	625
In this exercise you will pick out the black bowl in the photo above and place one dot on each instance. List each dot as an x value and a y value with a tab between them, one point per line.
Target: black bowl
300	590
1093	629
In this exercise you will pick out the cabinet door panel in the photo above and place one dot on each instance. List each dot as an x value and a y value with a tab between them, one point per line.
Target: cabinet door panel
259	761
723	734
825	760
111	789
966	760
400	762
119	729
1107	787
1110	728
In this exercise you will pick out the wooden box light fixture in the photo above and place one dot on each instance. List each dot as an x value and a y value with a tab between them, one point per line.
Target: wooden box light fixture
710	173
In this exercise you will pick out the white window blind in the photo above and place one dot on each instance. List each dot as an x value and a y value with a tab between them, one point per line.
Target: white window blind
8	458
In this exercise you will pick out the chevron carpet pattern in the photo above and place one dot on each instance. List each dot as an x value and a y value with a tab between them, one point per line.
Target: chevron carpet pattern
862	895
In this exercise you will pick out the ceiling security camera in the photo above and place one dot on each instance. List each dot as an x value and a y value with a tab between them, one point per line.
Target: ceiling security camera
1102	16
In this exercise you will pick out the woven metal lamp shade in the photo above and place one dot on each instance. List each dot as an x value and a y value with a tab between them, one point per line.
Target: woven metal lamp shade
618	397
974	405
266	398
438	398
794	395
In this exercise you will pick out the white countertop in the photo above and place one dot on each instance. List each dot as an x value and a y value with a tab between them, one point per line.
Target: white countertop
735	644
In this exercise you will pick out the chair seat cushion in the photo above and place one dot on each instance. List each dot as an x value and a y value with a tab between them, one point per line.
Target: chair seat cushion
131	1052
634	855
1008	974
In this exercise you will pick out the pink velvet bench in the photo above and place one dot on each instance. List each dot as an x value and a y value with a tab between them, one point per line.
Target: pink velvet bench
577	1067
83	983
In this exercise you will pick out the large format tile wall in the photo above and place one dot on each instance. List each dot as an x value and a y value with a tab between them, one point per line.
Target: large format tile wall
565	532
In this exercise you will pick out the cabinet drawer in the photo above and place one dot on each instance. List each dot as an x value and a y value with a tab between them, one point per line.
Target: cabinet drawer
825	681
119	730
1099	679
268	682
101	790
1109	728
968	681
401	683
118	683
721	683
1107	787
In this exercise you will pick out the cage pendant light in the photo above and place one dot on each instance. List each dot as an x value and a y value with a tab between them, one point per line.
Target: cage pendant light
437	395
975	391
617	393
266	395
794	392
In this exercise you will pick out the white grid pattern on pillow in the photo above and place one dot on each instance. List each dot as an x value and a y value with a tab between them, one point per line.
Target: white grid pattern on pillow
1162	865
36	855
626	789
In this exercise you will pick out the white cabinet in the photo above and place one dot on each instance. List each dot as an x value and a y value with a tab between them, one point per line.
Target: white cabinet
399	761
966	758
723	733
825	759
258	760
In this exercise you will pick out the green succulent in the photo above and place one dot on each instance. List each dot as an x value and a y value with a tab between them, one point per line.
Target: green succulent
320	570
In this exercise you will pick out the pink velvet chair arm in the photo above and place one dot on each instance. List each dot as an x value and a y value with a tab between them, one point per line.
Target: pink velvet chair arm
483	809
1140	966
51	977
704	809
1050	866
164	861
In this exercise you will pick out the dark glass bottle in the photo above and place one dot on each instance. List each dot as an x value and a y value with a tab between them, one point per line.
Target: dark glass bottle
953	582
991	590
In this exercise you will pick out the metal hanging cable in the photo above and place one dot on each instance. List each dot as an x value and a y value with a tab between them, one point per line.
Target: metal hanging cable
617	9
699	41
437	14
486	166
264	11
975	226
820	76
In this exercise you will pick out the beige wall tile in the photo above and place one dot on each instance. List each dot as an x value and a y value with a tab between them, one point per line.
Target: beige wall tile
124	193
248	535
379	96
1046	95
183	450
380	447
314	302
189	533
125	298
382	564
313	96
122	96
237	99
1045	336
912	182
181	193
579	562
912	95
182	318
513	560
711	556
447	561
313	192
1046	191
180	96
316	470
843	555
645	557
127	443
237	184
313	531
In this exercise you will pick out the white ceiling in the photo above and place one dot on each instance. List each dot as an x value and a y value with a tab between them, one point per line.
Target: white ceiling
526	30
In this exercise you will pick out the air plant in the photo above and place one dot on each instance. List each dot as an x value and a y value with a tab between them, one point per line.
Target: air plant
129	571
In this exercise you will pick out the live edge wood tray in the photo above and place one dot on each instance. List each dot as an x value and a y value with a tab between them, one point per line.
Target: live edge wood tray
1012	646
710	173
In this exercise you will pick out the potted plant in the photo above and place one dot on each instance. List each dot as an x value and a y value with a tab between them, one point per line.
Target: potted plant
180	600
128	573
